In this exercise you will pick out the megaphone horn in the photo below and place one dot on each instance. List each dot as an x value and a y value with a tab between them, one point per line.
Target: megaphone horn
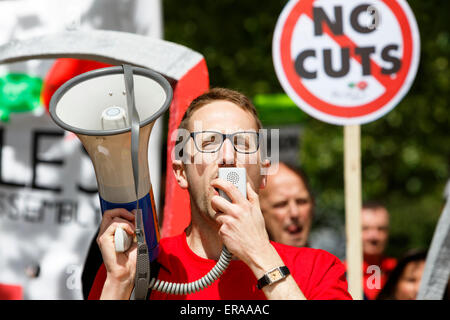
112	111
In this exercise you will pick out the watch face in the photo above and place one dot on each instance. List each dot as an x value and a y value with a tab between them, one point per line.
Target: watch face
275	275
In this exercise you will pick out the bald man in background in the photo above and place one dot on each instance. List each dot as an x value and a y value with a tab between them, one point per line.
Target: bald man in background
287	206
375	236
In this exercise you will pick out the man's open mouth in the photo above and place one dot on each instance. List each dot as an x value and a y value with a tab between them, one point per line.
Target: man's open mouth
294	229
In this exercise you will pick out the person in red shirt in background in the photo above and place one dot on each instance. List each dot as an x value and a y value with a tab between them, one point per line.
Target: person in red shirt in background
375	235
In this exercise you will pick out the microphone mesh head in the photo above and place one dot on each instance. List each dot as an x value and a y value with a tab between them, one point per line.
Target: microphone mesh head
233	177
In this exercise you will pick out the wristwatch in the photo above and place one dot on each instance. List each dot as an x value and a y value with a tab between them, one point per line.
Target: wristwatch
272	276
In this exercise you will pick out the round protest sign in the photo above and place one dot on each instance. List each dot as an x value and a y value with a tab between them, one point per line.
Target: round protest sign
346	62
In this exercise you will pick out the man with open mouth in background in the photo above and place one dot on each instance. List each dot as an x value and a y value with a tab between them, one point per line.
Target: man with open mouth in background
288	206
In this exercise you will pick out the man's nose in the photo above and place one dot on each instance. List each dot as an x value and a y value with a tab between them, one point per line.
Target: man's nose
293	208
372	234
227	153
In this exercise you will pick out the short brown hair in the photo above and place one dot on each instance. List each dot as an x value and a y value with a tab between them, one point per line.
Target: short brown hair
216	94
373	205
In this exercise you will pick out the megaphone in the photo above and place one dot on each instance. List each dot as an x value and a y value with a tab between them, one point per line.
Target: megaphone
114	126
106	108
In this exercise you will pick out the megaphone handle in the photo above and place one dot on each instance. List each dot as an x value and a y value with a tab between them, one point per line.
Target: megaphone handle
122	241
142	259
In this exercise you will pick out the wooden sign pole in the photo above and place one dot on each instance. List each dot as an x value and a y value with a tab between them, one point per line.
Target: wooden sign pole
352	172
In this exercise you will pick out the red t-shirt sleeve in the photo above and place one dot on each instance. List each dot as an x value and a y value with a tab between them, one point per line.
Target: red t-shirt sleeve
329	278
319	274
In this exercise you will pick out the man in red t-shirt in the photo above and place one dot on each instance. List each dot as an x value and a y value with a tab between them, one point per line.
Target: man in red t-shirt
222	128
375	234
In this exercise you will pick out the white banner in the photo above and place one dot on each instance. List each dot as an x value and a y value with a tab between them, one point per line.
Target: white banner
49	207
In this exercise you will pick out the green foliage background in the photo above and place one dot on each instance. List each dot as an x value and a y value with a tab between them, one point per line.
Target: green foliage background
405	154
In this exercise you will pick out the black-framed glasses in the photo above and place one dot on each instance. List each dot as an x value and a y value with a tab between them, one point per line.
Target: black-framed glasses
211	141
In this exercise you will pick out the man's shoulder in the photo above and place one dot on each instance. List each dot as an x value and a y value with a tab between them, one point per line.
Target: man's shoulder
280	247
306	255
319	273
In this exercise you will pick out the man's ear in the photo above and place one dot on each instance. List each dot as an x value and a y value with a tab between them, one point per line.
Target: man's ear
265	165
180	173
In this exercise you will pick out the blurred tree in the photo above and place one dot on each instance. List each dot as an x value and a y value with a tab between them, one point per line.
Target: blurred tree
405	154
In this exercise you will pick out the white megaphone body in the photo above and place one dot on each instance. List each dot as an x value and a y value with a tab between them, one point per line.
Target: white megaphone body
112	111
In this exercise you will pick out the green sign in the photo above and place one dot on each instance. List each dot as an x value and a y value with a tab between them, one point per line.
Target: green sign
278	110
19	93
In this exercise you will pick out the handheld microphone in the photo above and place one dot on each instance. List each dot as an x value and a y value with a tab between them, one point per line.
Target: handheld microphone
237	177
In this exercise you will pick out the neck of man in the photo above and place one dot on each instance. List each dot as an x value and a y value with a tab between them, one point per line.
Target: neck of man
203	235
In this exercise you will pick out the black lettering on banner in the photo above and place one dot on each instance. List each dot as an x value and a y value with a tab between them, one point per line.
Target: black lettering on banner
2	182
35	160
345	63
87	190
299	61
396	63
31	208
33	212
66	212
354	19
319	16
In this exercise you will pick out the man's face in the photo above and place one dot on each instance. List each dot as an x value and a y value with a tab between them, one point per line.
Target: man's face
224	117
287	207
375	231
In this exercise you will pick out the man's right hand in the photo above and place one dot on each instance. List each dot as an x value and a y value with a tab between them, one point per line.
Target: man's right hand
120	266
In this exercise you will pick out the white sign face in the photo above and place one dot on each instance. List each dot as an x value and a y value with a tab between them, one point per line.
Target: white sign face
346	62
